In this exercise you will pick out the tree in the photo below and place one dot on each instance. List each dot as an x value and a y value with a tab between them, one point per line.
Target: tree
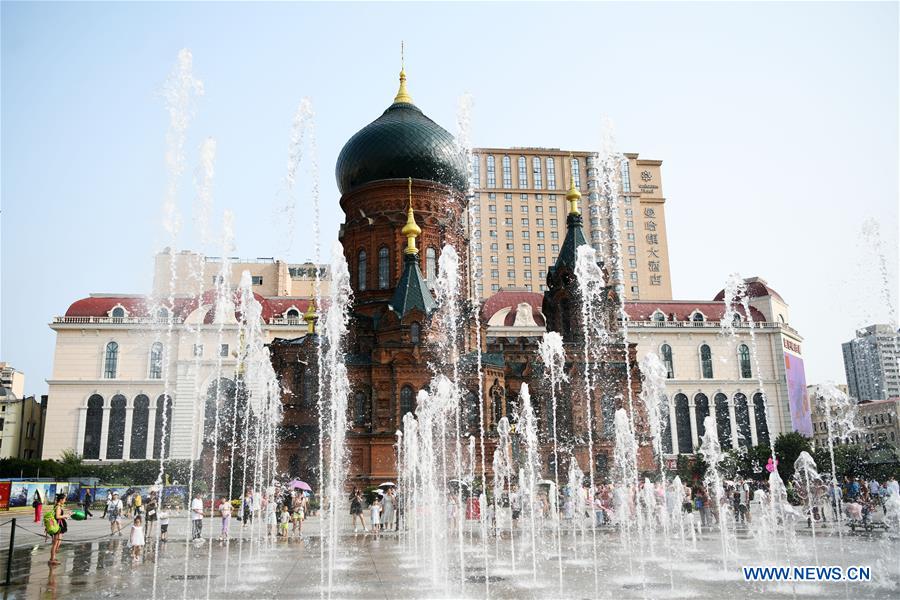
788	447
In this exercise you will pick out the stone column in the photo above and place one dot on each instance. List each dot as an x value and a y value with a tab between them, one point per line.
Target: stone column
104	431
82	426
733	420
692	412
751	413
151	427
126	445
673	425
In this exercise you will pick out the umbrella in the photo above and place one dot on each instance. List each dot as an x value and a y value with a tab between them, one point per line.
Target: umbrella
388	484
299	485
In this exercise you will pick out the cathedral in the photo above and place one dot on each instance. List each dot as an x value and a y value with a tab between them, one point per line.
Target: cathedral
403	182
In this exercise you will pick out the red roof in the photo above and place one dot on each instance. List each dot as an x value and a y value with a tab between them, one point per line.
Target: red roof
683	309
757	287
510	298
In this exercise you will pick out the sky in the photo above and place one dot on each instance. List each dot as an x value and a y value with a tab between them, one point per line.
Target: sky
777	125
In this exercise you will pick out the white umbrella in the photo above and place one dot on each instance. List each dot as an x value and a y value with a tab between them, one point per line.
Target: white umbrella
388	484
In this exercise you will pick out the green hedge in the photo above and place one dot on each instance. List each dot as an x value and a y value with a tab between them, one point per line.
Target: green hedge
137	472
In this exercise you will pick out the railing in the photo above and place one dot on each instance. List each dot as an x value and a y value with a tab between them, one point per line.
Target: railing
294	322
710	325
117	320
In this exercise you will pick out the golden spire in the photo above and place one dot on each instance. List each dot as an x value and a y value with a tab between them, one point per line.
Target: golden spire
573	195
402	94
310	317
411	230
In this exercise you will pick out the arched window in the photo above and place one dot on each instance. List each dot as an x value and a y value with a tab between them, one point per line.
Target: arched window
744	360
407	400
156	361
308	387
292	314
706	369
430	264
415	333
140	420
491	172
666	430
742	418
683	425
666	351
384	268
160	433
551	174
115	439
111	363
536	173
162	314
507	173
471	411
723	421
697	317
361	270
523	173
360	408
659	316
736	320
118	313
93	428
701	411
759	413
576	174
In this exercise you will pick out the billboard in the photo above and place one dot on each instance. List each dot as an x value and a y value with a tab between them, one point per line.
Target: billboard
798	398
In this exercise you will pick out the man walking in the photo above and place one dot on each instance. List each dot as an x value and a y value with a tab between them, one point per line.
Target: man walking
86	503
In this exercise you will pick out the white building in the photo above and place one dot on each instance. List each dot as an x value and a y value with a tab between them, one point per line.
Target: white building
708	374
118	357
871	362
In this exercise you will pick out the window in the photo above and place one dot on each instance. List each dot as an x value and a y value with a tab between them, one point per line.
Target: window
115	439
525	222
697	317
632	263
509	235
415	333
666	351
384	268
540	234
742	419
93	428
361	270
495	287
508	208
407	400
554	248
554	223
140	419
701	411
112	360
198	350
744	359
551	174
507	173
491	173
494	246
626	176
118	313
492	208
511	274
706	362
659	316
494	259
510	260
629	224
223	350
162	314
759	414
552	209
430	264
576	174
523	177
476	171
538	209
542	260
723	421
257	279
492	221
360	408
527	274
508	221
683	425
526	247
632	250
156	361
540	223
536	173
161	436
634	276
523	209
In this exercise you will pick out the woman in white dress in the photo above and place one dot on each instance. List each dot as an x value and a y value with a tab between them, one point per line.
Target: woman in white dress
387	510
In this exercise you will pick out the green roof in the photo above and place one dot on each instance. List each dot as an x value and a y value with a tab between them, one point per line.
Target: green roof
412	291
568	253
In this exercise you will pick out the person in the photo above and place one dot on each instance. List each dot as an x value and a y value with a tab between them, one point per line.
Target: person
197	517
271	517
515	504
834	495
152	516
284	522
86	504
247	508
163	526
387	509
114	514
38	505
138	504
60	521
892	486
299	515
225	510
136	539
356	510
375	515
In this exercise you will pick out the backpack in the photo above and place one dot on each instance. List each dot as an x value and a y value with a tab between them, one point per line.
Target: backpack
51	525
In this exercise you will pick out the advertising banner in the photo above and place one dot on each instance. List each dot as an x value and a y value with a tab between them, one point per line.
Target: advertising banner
798	398
4	494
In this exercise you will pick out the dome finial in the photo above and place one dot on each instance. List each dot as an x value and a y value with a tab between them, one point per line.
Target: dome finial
310	317
411	230
402	94
573	195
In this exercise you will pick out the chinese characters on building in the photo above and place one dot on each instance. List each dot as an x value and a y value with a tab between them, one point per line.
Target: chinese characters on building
652	239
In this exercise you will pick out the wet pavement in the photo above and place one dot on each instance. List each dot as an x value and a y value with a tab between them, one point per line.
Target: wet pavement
95	565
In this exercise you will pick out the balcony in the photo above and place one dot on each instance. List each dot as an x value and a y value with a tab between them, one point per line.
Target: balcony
117	320
709	325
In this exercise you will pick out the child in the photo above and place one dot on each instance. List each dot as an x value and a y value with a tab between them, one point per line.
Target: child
136	541
299	515
271	517
285	521
163	526
375	515
225	511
